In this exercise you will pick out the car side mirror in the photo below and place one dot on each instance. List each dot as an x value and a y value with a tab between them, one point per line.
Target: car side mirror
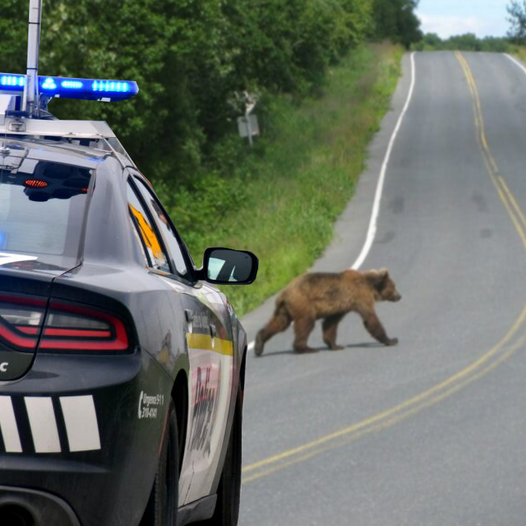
224	266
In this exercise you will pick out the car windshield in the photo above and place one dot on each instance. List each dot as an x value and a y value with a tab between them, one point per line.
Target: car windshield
42	207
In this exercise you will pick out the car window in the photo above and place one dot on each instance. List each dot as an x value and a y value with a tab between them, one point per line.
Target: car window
145	228
42	211
166	227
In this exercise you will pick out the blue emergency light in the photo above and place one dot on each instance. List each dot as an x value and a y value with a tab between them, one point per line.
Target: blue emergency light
70	88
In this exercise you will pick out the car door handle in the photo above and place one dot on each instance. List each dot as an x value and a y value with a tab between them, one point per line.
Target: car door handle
213	330
189	315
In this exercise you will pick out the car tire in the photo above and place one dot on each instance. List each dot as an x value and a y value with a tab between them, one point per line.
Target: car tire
229	491
161	509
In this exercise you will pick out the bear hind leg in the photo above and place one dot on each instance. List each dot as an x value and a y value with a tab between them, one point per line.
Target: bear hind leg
302	328
330	329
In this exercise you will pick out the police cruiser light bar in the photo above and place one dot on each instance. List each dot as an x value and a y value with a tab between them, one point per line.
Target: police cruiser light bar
72	88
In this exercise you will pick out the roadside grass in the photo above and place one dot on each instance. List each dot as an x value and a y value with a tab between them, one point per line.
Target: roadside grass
519	51
300	175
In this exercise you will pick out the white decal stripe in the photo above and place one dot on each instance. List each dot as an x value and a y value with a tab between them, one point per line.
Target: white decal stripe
81	422
43	424
8	426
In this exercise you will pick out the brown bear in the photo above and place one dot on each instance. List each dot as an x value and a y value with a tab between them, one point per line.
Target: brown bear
329	296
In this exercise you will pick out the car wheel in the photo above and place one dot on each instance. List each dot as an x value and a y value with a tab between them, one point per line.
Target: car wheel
162	505
229	491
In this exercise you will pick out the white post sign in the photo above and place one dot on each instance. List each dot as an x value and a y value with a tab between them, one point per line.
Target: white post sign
248	126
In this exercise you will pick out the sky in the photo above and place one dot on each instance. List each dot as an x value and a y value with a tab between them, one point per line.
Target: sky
454	17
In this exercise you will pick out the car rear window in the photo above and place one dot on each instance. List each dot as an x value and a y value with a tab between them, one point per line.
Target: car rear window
41	213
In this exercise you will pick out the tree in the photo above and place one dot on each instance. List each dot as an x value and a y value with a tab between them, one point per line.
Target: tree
517	19
465	42
432	40
396	20
190	59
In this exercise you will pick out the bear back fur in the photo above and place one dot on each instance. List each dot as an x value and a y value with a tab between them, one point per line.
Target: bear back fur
324	294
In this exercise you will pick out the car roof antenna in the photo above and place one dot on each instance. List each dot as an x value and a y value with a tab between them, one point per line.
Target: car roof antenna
31	104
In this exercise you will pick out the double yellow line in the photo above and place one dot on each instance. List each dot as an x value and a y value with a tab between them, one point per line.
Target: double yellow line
502	351
505	194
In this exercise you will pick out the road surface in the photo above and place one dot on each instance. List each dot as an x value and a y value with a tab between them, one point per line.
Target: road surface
432	431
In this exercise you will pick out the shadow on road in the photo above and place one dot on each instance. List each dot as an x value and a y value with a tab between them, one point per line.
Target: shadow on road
316	350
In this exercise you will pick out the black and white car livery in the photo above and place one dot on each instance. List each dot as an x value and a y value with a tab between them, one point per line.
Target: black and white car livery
121	368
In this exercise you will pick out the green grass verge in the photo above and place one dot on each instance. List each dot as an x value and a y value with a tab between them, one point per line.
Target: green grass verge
282	201
519	52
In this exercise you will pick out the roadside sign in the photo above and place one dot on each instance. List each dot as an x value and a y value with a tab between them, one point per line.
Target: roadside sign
248	126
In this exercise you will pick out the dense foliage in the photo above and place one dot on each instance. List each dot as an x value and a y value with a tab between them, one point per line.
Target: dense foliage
192	60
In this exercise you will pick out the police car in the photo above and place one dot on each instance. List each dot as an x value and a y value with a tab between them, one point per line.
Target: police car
121	364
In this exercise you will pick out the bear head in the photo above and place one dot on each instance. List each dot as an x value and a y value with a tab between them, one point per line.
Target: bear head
384	287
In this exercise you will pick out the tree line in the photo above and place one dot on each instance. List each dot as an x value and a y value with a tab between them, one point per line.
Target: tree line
464	42
193	61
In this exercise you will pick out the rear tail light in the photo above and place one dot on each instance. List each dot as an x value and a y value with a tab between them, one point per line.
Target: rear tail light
67	327
72	328
20	321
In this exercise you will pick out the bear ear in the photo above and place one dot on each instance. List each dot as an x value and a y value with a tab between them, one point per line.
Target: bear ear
377	277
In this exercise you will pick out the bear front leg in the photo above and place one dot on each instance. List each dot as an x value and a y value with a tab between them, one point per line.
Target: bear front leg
376	329
302	328
278	323
330	329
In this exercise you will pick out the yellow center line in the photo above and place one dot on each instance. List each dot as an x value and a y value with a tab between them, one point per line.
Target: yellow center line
512	200
486	363
503	190
408	404
383	425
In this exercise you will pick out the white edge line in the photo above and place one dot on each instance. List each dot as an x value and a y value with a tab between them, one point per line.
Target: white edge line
371	233
515	61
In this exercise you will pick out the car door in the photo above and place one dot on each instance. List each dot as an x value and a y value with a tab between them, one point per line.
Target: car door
209	343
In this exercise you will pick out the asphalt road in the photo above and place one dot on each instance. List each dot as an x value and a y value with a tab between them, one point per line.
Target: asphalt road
433	431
